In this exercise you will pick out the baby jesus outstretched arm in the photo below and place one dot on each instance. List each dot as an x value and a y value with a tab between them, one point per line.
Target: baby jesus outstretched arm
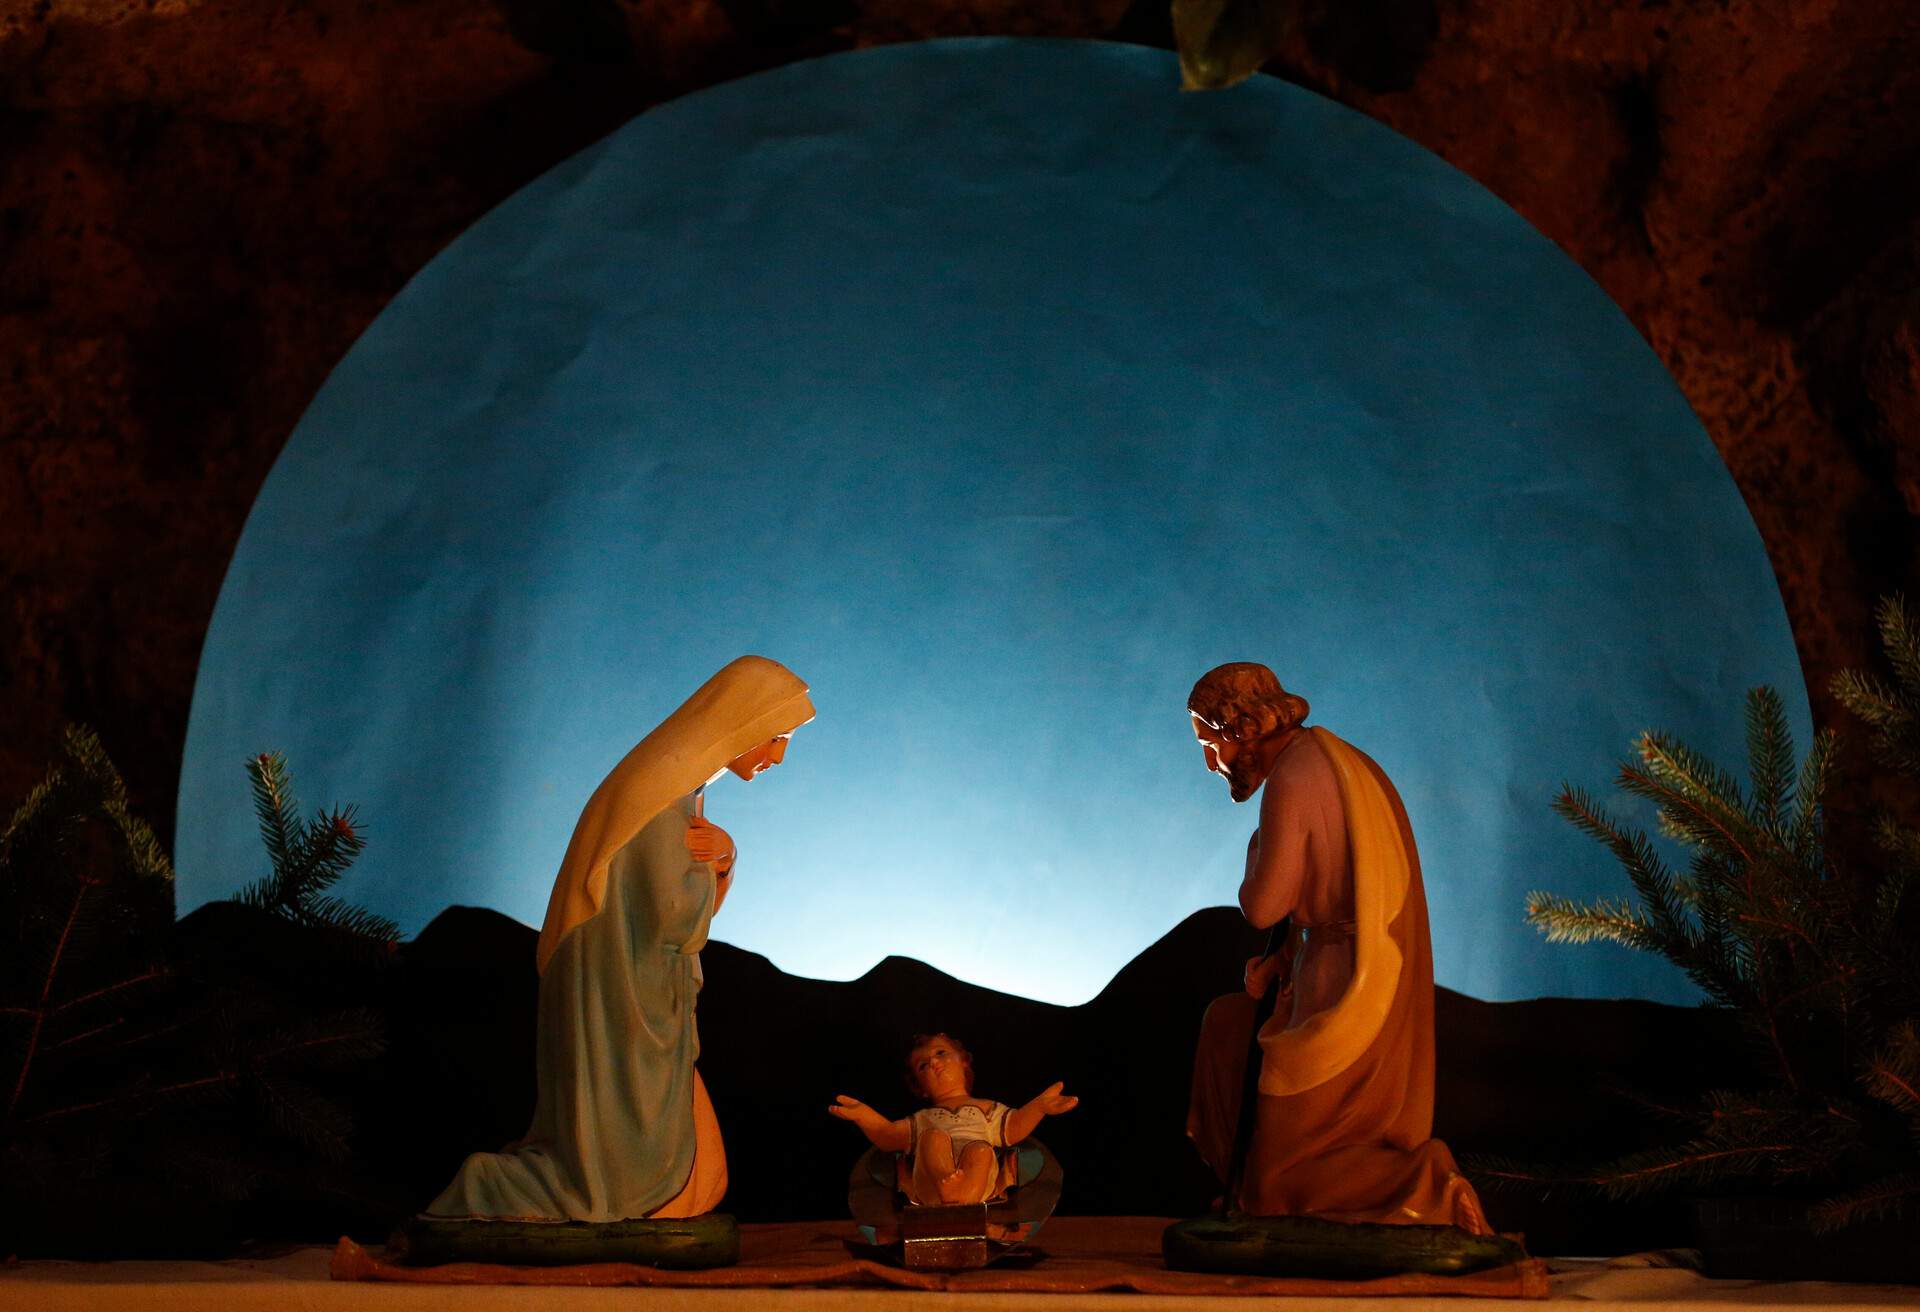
1023	1120
897	1136
891	1136
952	1161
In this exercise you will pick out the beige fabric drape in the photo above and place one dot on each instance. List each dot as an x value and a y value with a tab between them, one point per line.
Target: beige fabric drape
748	703
1328	1043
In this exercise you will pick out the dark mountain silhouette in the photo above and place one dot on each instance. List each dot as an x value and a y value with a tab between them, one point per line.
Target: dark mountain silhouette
1543	1078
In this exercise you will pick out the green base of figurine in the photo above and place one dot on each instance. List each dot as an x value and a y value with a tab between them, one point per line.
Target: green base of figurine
1328	1250
683	1244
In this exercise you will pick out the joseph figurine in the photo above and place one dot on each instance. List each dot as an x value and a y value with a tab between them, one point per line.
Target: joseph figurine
1342	1125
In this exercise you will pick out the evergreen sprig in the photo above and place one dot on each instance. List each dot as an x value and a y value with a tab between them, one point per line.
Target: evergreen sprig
1890	709
1817	968
87	893
121	1072
306	858
1893	1073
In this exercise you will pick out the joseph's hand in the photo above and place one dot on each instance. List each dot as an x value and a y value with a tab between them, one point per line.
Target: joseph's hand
1260	973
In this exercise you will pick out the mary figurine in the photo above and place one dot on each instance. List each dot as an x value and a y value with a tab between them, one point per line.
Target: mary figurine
622	1126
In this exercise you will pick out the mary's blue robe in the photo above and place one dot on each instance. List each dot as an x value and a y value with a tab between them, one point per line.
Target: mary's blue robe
612	1135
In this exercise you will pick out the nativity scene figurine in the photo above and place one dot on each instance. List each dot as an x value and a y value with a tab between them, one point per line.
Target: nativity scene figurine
954	1149
623	1131
961	1182
1313	1087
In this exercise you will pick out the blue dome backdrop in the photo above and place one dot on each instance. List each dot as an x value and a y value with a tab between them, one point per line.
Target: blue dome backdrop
1000	390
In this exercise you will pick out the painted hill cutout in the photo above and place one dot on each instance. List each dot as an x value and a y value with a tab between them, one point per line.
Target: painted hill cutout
1531	1079
1522	1078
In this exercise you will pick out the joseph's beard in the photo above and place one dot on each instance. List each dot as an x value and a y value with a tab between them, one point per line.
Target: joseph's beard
1242	781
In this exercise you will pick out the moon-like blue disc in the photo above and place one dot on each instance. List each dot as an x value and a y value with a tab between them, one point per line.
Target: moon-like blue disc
1000	390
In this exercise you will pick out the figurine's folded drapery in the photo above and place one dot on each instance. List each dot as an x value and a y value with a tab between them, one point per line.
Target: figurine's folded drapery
1344	1119
613	1124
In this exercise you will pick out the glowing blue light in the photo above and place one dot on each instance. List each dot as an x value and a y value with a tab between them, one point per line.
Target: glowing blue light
1000	390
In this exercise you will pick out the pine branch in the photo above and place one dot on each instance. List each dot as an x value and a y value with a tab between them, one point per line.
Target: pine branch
1679	768
333	1040
1809	794
328	847
304	1116
1899	844
1816	968
140	849
1563	920
40	1015
74	905
91	1078
52	1170
1690	808
1763	1022
1891	714
1665	1111
1499	1172
275	808
1722	952
88	759
1770	757
1892	710
307	859
337	839
122	1101
1649	875
1694	1163
1868	696
217	1083
1893	1073
346	918
146	977
212	1166
1779	926
73	1040
165	1029
33	861
1900	640
1892	1196
1728	1108
31	812
1836	980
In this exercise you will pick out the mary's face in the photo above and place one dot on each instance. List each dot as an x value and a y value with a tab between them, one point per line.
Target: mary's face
757	759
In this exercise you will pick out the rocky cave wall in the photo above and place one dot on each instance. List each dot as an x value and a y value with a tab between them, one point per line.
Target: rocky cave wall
204	202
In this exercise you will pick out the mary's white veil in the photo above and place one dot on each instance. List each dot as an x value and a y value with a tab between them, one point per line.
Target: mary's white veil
749	702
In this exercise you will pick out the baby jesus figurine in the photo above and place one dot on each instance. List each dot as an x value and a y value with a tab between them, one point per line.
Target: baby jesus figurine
956	1144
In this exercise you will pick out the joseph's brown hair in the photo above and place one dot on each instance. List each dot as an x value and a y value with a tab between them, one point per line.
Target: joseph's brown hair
1245	702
